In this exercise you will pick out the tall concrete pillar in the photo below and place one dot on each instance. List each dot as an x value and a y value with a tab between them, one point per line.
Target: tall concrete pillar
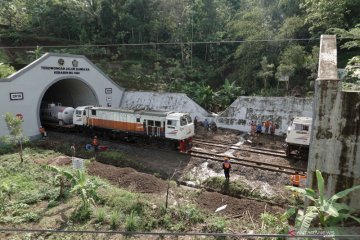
335	136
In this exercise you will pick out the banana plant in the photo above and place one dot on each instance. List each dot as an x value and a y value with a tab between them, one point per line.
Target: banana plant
85	187
61	177
326	209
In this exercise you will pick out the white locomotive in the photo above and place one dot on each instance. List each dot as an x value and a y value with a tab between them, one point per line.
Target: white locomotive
177	127
298	136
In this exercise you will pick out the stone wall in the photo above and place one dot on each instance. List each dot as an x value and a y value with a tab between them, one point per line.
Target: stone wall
278	109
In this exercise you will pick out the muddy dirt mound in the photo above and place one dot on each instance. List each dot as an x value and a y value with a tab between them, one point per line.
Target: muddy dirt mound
127	178
235	207
57	161
222	135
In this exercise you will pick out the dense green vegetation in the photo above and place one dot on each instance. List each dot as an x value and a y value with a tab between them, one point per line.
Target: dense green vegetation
199	47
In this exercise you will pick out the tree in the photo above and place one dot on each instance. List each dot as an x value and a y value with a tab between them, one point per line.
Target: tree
204	95
227	94
351	37
326	210
292	59
6	70
266	71
16	137
13	14
324	14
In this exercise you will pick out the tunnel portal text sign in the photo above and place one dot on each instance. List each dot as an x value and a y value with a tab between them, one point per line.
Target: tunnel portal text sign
16	96
66	70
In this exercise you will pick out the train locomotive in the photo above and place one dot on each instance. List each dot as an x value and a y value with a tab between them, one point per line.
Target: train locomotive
298	136
176	128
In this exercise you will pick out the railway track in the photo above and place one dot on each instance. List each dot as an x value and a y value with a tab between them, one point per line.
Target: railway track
249	163
219	157
269	152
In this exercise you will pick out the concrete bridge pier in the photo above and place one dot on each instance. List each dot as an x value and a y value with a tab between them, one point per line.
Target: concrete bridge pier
335	137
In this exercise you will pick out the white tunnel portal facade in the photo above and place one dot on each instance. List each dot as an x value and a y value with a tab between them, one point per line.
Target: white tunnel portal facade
69	80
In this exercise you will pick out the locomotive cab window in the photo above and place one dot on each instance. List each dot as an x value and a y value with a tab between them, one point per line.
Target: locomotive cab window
93	112
183	121
171	123
188	118
137	119
84	113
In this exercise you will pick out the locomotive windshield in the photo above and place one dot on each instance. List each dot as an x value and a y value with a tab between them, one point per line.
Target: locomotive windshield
171	123
301	127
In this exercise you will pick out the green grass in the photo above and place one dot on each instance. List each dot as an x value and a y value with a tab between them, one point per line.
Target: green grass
114	219
28	195
22	186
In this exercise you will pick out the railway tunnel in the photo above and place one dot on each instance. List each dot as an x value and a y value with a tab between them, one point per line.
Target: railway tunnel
70	92
65	92
71	80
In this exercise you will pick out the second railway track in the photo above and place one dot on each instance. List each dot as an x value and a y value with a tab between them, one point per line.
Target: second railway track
249	163
269	152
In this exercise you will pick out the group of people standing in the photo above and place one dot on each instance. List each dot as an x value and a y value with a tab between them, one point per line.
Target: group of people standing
257	128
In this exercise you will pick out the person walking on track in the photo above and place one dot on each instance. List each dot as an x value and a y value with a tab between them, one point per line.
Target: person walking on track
227	167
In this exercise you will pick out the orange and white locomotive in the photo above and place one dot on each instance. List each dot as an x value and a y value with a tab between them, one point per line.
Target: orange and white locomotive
177	127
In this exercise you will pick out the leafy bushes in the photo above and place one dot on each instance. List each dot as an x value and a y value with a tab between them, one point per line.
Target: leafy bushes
181	217
215	225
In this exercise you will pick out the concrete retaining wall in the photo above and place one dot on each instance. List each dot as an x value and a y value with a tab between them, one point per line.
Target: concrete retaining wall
177	102
278	109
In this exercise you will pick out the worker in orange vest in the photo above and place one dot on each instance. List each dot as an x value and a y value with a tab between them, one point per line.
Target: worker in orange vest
42	131
267	126
295	179
227	167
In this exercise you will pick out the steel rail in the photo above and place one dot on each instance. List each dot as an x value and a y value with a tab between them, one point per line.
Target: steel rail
256	150
249	163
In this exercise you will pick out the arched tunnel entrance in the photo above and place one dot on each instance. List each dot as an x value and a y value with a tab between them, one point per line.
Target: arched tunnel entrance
69	92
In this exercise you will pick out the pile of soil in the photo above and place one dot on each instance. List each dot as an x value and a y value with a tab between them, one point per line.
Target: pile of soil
57	161
221	134
127	178
236	207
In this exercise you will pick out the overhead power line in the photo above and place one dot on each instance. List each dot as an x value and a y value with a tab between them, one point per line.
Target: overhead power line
154	44
161	43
